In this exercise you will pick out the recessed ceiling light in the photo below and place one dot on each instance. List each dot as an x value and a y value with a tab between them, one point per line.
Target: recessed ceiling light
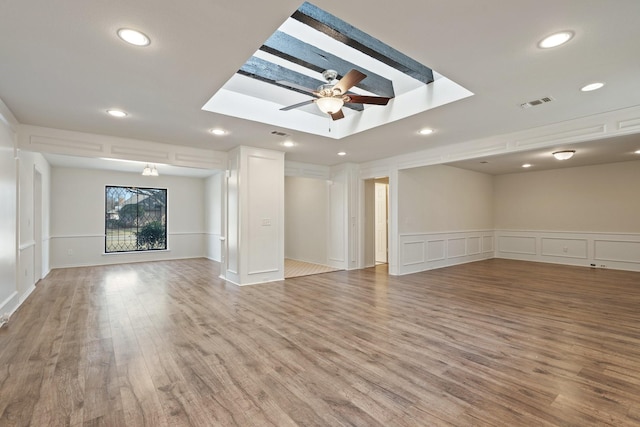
342	153
116	113
564	154
592	86
526	165
133	37
218	132
637	152
556	39
288	143
425	131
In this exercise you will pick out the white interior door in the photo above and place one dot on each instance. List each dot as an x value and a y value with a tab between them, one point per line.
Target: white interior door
381	204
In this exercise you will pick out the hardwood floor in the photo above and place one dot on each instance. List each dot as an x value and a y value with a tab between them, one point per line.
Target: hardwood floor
495	343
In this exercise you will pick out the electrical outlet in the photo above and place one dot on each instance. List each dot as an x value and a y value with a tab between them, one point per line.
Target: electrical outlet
603	266
69	252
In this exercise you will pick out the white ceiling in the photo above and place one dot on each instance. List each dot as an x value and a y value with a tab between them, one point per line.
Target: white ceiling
62	66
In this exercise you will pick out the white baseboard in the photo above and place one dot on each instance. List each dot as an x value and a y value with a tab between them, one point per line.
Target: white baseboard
26	293
10	305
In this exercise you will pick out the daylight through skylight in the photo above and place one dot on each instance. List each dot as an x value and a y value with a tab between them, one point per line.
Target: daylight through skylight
280	84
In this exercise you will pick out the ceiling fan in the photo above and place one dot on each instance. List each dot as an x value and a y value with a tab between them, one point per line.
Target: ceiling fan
332	96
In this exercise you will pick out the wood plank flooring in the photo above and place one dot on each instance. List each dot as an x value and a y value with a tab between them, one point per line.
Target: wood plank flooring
491	343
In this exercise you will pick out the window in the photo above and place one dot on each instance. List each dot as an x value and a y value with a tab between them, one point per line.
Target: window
135	219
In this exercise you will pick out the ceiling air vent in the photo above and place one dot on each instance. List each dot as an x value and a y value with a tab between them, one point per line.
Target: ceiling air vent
275	132
536	102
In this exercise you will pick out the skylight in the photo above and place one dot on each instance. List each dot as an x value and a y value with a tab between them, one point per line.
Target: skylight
290	64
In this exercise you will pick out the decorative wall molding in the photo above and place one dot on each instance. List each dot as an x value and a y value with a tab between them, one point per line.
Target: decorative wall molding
158	155
563	247
426	251
590	132
619	251
517	245
88	250
307	170
605	125
630	124
58	141
43	143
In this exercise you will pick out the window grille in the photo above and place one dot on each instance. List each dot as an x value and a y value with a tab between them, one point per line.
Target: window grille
135	219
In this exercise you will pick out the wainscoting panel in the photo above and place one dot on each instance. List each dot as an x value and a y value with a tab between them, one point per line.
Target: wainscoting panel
612	250
524	245
487	244
457	247
426	251
436	250
473	245
619	251
413	252
564	248
88	250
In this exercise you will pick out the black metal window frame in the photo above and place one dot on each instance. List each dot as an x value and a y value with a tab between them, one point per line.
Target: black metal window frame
160	245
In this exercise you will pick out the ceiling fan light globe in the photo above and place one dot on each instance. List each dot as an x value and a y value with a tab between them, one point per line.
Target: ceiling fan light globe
330	105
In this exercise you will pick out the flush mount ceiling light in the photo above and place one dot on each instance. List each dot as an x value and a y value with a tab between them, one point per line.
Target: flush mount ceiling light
526	165
288	143
148	171
564	154
637	152
116	113
425	131
133	37
342	153
592	86
556	39
330	105
218	132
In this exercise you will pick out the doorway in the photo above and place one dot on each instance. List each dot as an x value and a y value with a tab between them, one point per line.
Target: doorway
376	236
381	221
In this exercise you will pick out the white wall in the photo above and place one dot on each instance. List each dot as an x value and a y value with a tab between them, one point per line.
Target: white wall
443	198
8	218
213	205
306	219
445	217
579	216
77	216
603	198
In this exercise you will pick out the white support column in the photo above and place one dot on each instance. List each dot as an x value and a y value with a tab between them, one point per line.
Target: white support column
255	216
344	216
